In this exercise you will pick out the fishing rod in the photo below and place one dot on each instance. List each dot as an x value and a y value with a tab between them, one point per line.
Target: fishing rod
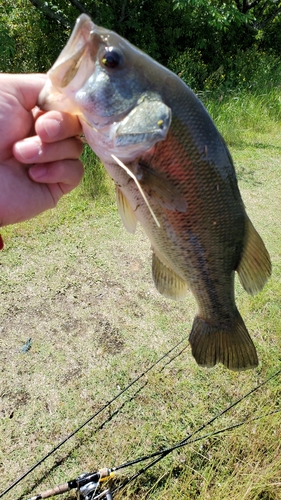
131	384
160	454
88	484
185	442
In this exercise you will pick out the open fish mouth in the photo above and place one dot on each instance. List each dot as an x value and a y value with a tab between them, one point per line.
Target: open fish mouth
77	77
71	70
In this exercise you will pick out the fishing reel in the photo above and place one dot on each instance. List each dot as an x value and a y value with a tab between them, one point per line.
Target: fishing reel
87	486
88	491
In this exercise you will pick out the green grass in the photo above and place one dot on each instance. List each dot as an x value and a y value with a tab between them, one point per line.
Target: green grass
247	118
81	287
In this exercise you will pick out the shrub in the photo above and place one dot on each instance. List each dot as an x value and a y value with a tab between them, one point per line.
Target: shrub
251	69
190	67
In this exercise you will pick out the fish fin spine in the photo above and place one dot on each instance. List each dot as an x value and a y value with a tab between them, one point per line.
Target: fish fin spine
232	345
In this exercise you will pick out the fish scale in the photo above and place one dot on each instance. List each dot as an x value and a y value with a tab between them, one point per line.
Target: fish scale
173	174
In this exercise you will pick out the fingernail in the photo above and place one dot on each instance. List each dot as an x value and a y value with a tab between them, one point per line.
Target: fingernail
37	172
52	127
28	149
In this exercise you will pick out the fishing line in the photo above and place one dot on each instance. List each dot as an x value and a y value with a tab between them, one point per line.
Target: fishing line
17	481
87	484
160	454
121	164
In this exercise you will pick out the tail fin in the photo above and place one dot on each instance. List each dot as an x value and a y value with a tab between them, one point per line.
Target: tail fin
232	347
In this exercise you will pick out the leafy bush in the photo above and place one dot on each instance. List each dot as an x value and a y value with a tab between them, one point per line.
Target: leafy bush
27	39
210	45
190	67
7	44
251	69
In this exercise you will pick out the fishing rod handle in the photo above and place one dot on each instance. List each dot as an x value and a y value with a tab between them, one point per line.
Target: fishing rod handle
57	490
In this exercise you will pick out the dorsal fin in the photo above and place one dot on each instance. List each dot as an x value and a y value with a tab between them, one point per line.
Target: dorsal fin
254	268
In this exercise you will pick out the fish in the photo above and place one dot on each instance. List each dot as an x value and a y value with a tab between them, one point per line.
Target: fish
173	174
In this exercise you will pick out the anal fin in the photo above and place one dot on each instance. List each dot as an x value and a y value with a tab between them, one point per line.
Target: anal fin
231	346
254	268
126	212
167	282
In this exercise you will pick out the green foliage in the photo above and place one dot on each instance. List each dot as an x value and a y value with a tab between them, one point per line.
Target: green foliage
190	67
251	70
29	44
243	117
269	37
209	43
220	15
7	44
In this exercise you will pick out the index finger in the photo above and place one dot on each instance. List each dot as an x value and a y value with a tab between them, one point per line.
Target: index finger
56	126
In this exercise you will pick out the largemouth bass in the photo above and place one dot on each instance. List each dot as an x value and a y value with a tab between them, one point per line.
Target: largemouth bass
173	174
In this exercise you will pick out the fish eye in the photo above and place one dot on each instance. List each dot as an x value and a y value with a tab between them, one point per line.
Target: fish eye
112	58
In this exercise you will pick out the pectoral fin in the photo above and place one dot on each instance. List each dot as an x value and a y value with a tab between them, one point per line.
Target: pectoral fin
254	269
167	282
126	212
160	189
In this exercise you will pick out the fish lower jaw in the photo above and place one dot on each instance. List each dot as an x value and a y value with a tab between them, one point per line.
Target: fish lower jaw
106	151
104	143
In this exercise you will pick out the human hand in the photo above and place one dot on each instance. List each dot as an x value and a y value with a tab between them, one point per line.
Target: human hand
38	158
